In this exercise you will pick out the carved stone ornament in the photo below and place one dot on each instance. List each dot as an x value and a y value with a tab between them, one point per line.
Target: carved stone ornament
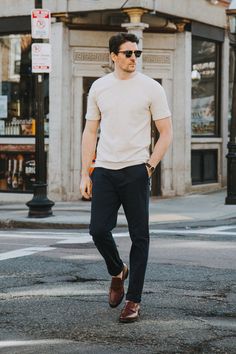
102	57
160	59
81	56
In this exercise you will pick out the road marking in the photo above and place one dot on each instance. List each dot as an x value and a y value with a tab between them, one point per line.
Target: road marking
219	230
41	232
23	252
42	236
198	244
90	257
80	237
67	290
21	343
85	237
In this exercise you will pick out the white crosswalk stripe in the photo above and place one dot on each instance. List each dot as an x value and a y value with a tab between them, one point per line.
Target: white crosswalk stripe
218	230
23	252
21	343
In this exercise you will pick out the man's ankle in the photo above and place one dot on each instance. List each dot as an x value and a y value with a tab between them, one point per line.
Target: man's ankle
119	275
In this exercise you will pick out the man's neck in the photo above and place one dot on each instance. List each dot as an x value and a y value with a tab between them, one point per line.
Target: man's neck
123	75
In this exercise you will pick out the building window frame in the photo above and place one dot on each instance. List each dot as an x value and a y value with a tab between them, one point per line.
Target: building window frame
204	158
216	131
17	149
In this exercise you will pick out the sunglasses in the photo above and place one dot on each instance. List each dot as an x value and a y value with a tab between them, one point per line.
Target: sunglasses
129	53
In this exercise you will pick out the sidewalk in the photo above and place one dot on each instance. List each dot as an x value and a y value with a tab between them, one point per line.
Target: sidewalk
182	211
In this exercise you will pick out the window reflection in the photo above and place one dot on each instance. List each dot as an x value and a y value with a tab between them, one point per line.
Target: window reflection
204	56
17	113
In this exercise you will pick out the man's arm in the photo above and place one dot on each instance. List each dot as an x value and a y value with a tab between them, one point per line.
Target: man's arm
89	140
164	126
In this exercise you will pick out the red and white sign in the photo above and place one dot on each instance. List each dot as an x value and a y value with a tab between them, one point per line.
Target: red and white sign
41	58
40	23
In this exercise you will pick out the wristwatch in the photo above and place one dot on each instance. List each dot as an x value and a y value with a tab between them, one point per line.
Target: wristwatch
150	167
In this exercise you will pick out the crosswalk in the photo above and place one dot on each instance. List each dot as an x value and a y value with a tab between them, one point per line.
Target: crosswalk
77	237
83	237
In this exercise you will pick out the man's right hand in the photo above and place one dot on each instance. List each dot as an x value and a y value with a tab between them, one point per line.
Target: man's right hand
86	186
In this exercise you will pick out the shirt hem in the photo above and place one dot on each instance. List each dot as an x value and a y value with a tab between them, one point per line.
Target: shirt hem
118	165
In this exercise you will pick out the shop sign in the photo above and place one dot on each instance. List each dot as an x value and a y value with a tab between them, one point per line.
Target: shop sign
41	58
40	23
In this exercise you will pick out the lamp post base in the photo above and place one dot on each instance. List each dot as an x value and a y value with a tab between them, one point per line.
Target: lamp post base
40	206
231	174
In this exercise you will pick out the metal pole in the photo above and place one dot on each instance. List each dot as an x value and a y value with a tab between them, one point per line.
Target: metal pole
231	156
39	206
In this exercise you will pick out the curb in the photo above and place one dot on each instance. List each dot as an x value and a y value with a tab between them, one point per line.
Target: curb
17	224
34	224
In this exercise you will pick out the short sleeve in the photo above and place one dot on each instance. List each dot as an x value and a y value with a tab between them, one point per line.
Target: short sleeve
159	106
93	112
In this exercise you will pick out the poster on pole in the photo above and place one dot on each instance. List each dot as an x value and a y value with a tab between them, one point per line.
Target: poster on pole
41	58
40	24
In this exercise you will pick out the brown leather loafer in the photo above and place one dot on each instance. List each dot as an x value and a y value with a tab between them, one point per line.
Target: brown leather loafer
117	291
130	312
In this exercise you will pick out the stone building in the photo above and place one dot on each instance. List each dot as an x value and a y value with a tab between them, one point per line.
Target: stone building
185	47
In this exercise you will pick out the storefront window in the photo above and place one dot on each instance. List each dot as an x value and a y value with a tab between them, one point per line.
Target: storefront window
17	114
205	87
17	168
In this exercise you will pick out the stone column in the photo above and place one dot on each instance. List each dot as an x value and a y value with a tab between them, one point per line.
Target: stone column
136	27
182	114
59	178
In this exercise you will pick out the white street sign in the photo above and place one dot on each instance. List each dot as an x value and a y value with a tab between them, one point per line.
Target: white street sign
41	58
40	23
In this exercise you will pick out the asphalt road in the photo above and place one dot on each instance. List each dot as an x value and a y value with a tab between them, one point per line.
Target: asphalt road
53	294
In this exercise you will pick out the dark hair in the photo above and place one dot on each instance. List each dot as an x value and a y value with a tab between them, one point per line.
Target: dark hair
118	39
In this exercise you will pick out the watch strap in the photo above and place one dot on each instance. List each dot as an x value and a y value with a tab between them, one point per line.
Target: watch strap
150	167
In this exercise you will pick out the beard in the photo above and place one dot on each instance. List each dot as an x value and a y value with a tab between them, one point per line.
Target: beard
130	68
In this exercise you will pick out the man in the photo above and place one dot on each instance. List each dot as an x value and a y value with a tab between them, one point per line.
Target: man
123	103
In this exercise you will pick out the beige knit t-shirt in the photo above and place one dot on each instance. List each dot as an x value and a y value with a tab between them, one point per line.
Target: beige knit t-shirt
125	109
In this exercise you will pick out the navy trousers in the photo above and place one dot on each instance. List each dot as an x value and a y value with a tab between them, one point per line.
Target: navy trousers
128	187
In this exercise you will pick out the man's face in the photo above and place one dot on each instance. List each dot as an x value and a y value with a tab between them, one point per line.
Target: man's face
122	63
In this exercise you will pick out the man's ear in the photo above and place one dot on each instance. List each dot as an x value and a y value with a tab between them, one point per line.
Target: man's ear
113	57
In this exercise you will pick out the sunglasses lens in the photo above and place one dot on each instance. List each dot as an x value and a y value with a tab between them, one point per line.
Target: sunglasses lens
128	53
137	53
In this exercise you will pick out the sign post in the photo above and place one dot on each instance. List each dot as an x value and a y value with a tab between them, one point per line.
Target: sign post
40	206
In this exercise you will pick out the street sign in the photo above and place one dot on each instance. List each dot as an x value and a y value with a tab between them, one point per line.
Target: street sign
40	23
41	58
